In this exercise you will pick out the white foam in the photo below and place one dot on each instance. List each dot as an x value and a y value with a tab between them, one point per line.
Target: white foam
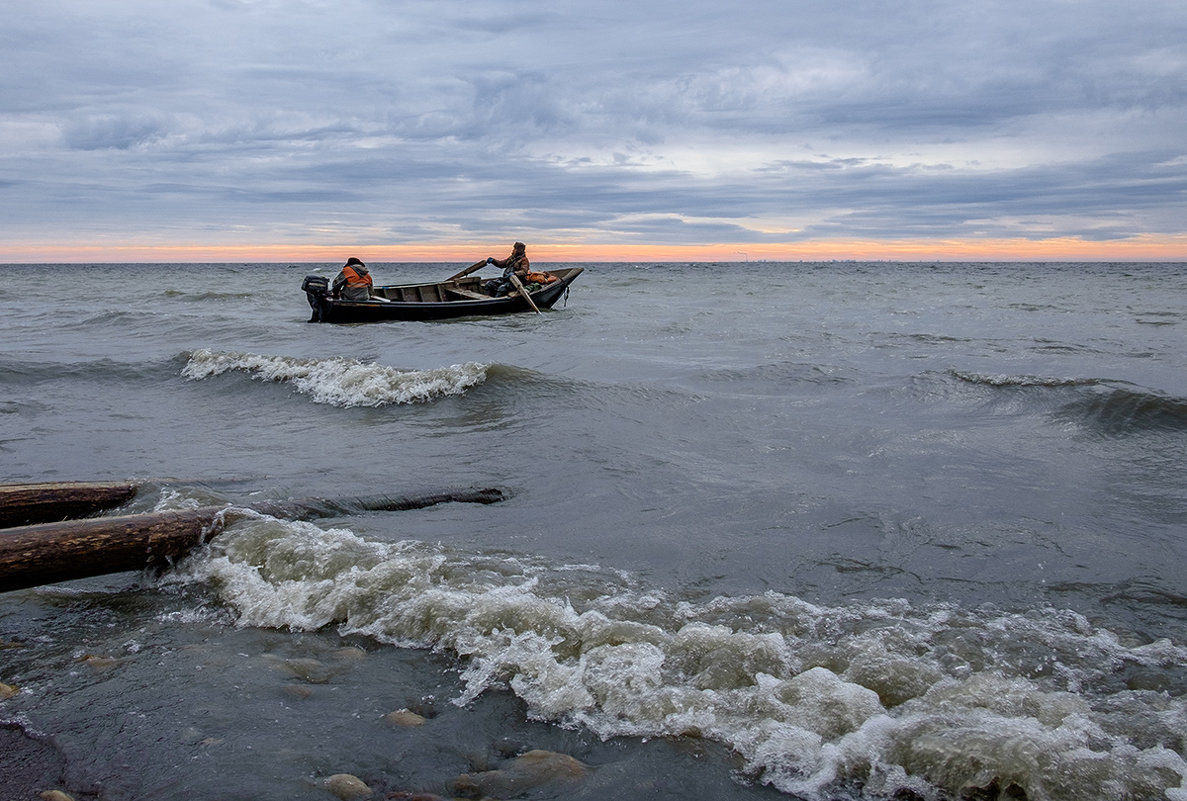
338	381
814	699
1006	380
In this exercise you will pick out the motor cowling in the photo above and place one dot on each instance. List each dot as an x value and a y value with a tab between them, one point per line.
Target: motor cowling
317	288
316	285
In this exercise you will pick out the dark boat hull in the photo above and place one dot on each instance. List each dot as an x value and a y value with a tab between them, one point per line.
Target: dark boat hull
433	301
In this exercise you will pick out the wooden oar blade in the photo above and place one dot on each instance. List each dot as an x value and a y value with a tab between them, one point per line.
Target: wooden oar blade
467	271
519	285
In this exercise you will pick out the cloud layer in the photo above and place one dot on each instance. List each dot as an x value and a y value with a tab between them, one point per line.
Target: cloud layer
655	121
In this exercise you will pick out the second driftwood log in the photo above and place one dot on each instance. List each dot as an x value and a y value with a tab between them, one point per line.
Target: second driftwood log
26	504
50	552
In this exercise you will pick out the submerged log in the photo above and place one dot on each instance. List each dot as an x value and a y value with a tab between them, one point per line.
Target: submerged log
26	504
331	507
50	552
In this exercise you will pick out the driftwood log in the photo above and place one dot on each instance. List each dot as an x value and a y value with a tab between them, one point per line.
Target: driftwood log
50	552
25	504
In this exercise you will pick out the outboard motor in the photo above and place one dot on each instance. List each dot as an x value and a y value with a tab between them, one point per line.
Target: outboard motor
316	288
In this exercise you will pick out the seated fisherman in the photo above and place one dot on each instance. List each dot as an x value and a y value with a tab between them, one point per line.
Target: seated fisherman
516	263
354	282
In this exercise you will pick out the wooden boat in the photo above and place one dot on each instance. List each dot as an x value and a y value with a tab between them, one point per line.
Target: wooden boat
453	297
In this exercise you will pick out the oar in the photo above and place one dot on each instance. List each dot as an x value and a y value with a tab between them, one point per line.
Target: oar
466	271
519	285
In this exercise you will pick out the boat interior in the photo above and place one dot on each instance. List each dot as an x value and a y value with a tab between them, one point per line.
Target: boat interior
460	289
467	288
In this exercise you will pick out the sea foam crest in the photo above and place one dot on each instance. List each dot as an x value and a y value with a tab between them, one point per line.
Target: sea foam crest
339	381
1024	381
876	694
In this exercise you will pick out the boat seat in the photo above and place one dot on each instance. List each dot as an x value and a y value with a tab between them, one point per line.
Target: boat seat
466	293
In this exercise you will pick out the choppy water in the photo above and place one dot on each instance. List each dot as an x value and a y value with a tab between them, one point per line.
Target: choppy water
820	531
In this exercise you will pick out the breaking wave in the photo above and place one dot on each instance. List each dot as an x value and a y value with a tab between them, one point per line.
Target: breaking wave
1122	411
871	699
1108	408
338	381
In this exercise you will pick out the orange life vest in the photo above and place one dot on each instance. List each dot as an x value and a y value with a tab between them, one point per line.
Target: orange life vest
353	278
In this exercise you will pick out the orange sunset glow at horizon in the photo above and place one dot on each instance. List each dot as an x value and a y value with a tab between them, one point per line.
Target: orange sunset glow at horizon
1144	248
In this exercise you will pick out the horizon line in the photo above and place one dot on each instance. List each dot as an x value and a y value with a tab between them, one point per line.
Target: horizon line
1142	248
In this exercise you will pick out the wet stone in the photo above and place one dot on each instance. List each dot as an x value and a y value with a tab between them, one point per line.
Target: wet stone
347	787
349	653
523	773
404	717
99	662
312	671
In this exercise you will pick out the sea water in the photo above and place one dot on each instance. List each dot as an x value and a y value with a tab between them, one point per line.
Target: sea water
794	530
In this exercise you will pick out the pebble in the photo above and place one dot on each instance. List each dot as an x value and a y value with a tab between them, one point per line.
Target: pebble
347	787
533	769
7	691
404	717
98	662
309	670
349	653
55	795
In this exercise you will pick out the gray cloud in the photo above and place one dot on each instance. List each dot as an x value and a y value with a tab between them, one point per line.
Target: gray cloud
649	121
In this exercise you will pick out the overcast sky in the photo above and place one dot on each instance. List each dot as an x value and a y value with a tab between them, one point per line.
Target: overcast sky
600	122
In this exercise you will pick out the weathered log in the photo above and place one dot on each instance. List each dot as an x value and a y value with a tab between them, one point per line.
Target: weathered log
26	504
50	552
